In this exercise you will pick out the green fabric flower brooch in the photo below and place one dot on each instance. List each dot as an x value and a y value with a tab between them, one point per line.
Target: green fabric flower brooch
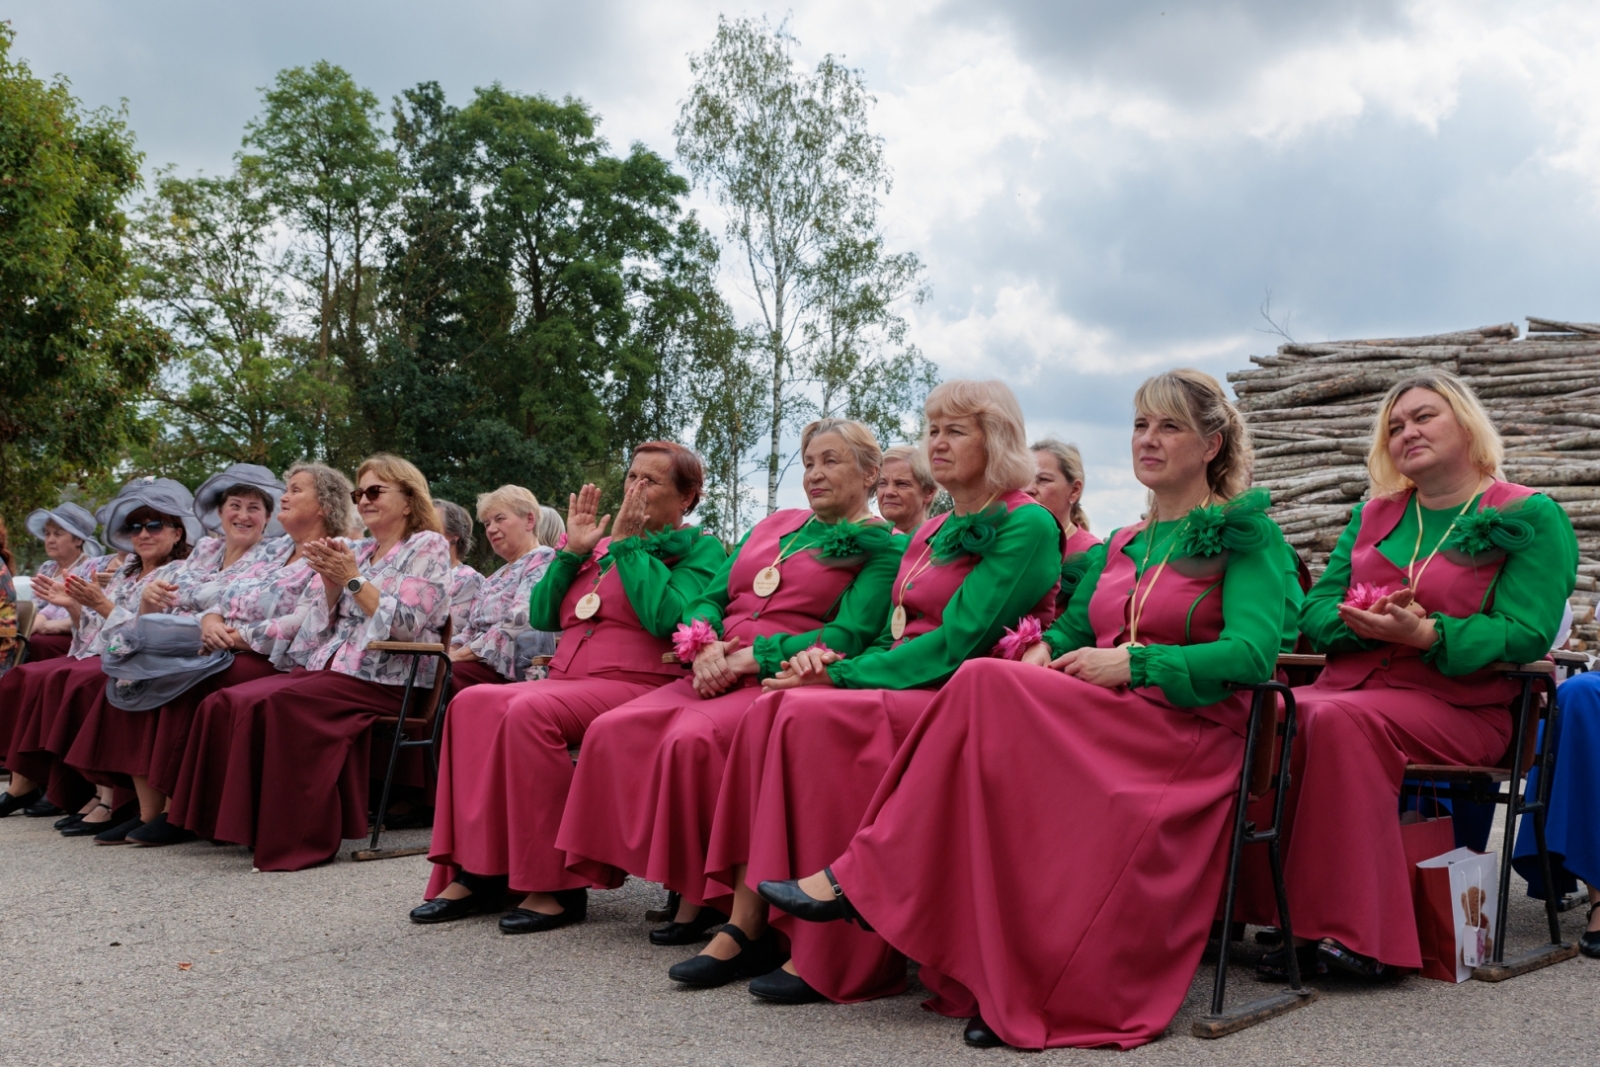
1486	536
1212	533
972	534
845	544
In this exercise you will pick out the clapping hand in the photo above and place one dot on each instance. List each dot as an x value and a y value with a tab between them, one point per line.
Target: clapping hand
52	592
583	529
1110	668
89	594
333	560
807	667
633	513
158	597
1394	619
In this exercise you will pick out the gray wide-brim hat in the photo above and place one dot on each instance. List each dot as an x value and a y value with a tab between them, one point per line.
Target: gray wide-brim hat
73	518
209	497
162	495
161	658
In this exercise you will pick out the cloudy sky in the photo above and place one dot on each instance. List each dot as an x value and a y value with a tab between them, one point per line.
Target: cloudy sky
1097	188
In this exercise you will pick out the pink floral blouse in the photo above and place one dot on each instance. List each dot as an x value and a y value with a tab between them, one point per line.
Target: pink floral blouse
412	581
250	604
51	569
500	612
465	584
89	637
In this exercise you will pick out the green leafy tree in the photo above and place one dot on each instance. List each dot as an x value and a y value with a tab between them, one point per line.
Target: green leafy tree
75	349
791	160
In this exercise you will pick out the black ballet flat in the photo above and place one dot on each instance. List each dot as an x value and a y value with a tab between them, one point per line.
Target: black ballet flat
84	828
10	803
695	930
707	972
71	820
43	808
1274	966
159	832
574	909
443	910
781	987
978	1035
789	897
1589	943
1354	964
118	834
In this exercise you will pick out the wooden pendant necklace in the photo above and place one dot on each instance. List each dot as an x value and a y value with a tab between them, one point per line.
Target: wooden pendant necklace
1139	601
1416	499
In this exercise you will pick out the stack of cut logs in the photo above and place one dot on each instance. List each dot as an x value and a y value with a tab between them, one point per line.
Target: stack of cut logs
1310	409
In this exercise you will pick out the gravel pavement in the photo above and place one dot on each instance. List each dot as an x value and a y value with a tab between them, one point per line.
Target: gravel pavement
184	956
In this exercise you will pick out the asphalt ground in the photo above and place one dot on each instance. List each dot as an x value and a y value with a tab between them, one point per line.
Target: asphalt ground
184	956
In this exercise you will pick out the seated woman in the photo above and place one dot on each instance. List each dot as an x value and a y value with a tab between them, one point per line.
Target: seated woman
551	530
905	488
153	519
1050	839
11	641
465	581
67	531
806	762
646	788
505	765
1058	485
280	763
1444	570
232	590
484	643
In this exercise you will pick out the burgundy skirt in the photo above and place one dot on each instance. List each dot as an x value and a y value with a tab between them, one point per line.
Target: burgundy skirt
1052	852
39	726
112	742
645	791
804	767
504	770
281	764
48	646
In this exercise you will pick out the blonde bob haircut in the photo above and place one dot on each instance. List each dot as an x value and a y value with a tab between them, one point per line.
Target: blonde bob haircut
863	444
514	498
915	457
993	406
1070	460
1487	451
1195	400
404	476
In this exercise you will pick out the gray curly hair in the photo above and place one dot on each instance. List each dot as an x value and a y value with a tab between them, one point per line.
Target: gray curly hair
333	491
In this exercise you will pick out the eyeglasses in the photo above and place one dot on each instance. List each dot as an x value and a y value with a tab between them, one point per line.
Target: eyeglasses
371	492
152	526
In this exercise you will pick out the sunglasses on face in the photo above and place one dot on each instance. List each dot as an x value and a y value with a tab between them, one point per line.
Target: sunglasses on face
149	526
371	492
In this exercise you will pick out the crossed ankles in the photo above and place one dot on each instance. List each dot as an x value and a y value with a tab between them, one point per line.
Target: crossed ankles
460	900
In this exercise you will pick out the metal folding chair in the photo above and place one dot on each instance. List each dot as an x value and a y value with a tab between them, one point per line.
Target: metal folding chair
429	720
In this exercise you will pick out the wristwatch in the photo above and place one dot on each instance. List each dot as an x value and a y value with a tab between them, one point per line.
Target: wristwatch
355	584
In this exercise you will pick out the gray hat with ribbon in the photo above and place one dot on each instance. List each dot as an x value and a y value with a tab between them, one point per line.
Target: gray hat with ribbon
159	658
161	495
72	518
214	490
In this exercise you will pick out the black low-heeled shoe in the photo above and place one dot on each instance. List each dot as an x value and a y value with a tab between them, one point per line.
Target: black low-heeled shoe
10	803
707	972
84	828
781	987
978	1035
159	832
1274	966
1355	964
789	897
71	820
43	808
695	930
574	909
118	834
443	909
1589	943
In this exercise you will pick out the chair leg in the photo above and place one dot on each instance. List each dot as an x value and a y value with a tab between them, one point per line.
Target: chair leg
394	757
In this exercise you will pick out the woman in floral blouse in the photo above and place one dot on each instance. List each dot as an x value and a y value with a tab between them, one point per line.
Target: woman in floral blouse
304	735
152	518
235	598
67	531
465	581
10	642
484	643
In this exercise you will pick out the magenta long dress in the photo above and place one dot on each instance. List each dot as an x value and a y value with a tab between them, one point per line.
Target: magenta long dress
646	786
806	762
506	765
1051	850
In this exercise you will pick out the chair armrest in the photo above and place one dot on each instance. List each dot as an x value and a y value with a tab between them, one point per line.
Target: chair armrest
669	657
408	646
540	661
1542	666
1302	659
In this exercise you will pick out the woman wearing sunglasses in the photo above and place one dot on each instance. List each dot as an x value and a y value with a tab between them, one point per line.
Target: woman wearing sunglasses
153	519
303	735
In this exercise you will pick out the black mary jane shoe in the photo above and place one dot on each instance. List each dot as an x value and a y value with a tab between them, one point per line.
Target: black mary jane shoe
158	832
71	820
443	909
574	909
707	972
789	897
10	803
978	1035
84	828
781	987
1274	965
1338	957
692	932
118	834
43	808
1589	943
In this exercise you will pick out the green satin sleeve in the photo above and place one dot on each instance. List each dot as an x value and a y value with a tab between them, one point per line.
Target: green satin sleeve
1319	614
1072	629
859	618
659	593
713	598
544	603
1010	579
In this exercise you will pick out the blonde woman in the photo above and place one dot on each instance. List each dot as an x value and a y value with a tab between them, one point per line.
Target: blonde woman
1048	839
1058	485
1445	569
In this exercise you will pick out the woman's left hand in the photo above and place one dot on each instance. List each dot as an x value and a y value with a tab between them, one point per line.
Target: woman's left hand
89	594
1391	623
1110	668
333	560
463	654
806	667
632	515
